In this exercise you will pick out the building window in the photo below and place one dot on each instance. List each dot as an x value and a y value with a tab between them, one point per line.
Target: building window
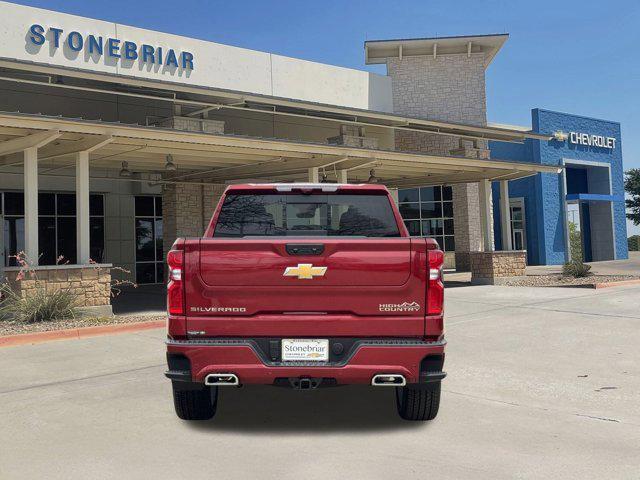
428	212
149	253
56	227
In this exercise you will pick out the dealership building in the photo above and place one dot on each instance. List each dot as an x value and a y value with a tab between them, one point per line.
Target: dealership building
115	140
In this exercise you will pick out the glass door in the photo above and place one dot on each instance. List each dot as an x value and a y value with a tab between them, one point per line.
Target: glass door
518	229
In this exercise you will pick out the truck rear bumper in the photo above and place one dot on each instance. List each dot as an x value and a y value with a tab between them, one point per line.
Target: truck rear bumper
417	361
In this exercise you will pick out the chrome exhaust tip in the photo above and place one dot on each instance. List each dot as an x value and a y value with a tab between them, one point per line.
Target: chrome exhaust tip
388	380
222	380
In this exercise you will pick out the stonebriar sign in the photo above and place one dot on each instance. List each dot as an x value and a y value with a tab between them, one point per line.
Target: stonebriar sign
34	39
115	48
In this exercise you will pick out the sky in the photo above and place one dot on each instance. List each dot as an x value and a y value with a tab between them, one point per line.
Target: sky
578	57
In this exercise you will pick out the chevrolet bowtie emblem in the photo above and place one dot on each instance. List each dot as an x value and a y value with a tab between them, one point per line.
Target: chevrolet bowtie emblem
305	271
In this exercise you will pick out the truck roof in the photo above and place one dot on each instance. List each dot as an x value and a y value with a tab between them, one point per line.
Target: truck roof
325	187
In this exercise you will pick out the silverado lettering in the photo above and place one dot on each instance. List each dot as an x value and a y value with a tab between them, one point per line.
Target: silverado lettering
218	309
314	285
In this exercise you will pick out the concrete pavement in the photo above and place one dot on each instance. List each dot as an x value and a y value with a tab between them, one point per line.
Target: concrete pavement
631	266
543	383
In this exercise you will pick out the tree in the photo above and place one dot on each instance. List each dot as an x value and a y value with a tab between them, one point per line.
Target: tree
575	243
632	187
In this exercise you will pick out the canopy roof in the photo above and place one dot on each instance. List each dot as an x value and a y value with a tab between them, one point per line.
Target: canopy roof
377	51
221	158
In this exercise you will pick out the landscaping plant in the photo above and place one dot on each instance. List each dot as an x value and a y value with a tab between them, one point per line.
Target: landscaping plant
38	306
576	269
575	242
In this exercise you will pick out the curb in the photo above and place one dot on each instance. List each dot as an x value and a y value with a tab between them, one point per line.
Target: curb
616	284
83	332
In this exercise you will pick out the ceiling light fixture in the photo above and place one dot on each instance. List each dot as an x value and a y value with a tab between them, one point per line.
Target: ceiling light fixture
169	165
124	171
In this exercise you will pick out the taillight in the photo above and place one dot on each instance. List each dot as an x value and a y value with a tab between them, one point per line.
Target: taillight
175	288
435	290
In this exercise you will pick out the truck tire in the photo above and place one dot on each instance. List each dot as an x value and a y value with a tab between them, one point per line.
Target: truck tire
194	402
418	404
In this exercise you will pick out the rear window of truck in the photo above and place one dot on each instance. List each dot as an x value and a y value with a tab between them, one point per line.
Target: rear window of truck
251	214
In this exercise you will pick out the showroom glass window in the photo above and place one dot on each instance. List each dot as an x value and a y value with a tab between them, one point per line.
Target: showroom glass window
149	254
428	212
56	227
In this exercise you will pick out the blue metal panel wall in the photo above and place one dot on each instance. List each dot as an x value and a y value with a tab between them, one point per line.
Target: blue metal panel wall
552	153
543	193
526	188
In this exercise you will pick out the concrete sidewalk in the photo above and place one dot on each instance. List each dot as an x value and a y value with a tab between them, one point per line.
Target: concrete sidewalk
631	266
540	385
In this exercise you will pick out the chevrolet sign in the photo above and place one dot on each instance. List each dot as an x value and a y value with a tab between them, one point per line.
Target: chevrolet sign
592	140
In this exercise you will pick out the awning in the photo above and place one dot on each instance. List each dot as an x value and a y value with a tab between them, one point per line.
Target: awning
221	158
593	197
198	99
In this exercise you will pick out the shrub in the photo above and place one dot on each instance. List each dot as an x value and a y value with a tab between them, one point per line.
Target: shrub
38	306
575	242
634	243
576	269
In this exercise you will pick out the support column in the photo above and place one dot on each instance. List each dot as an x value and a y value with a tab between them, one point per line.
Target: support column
484	193
314	176
342	176
466	222
505	215
183	212
31	248
82	208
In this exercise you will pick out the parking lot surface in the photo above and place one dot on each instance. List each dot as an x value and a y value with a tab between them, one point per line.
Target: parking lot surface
543	383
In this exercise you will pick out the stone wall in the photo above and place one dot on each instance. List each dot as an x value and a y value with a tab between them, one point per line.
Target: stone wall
449	260
210	197
352	136
91	285
466	226
187	209
192	124
491	267
448	88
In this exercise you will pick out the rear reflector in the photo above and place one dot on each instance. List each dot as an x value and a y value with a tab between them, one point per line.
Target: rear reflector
435	289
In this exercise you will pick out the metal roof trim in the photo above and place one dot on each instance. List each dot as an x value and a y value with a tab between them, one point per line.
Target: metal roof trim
480	131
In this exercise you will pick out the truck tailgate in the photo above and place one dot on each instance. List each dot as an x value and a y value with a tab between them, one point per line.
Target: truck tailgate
260	263
277	286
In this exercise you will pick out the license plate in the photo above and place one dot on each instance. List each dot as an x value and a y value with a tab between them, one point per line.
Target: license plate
308	350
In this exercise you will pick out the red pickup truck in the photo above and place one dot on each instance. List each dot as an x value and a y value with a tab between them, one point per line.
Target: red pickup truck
305	286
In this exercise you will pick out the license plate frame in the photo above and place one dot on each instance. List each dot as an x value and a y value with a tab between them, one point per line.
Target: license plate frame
306	350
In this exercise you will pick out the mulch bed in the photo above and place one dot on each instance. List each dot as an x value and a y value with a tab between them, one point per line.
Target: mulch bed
17	328
562	281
